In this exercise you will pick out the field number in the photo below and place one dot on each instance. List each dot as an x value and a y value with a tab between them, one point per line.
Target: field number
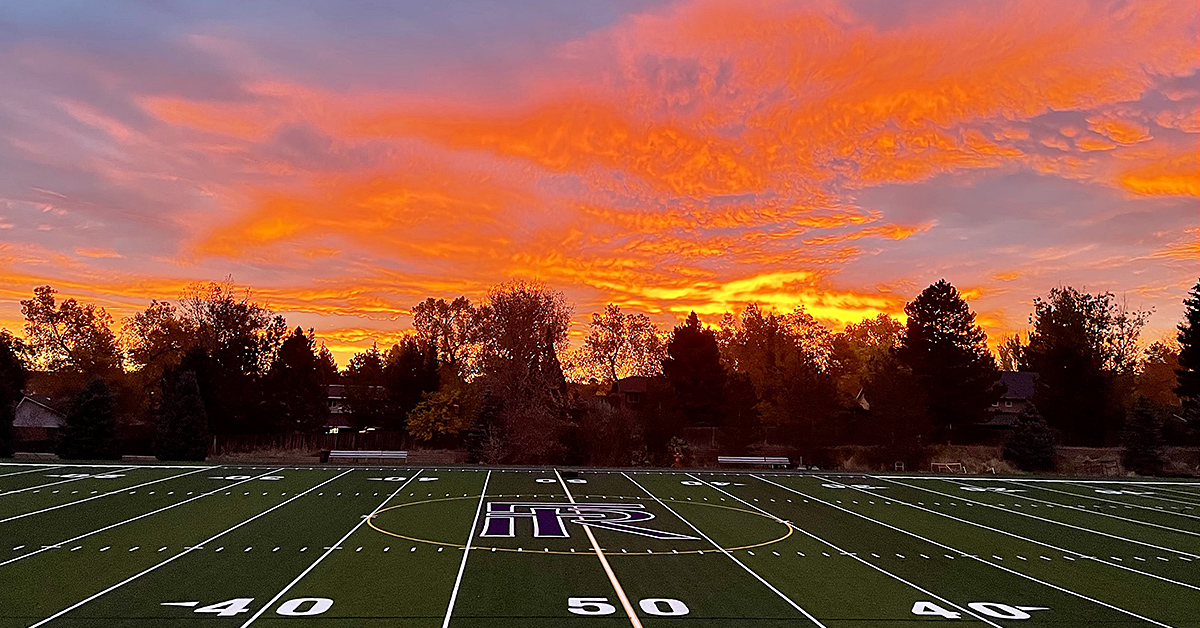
865	487
994	610
660	606
245	477
1112	491
991	489
554	481
699	483
298	607
75	476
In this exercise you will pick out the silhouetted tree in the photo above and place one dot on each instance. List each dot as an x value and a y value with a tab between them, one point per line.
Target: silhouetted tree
853	348
742	426
948	354
450	327
1031	445
410	371
70	337
1142	449
620	345
182	431
1079	347
693	366
90	430
1188	374
12	382
296	398
366	394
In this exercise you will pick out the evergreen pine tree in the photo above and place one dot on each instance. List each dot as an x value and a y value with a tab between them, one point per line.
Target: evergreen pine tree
948	354
12	381
1188	374
1142	451
183	423
693	366
90	431
1031	445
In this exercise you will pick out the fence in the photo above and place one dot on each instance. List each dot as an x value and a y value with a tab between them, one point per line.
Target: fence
312	443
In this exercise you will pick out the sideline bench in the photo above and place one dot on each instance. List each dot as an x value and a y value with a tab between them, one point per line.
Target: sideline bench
772	461
363	454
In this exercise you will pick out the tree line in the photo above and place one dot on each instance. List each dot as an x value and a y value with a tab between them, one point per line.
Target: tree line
498	378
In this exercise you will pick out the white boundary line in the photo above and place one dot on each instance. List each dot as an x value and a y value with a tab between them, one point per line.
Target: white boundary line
748	570
131	519
49	484
962	553
1077	508
185	552
88	499
36	468
329	551
1065	525
60	463
466	552
612	577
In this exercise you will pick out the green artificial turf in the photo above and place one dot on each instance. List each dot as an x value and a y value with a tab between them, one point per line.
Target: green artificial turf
203	545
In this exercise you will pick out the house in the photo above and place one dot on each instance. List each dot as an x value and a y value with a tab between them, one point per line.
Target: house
629	391
336	398
1016	398
36	421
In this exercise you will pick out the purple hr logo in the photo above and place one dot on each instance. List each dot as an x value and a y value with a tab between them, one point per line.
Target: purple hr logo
549	519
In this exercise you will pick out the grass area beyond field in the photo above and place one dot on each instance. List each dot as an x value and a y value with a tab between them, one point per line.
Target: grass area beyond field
208	545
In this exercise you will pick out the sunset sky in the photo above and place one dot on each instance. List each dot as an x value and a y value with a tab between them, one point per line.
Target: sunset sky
348	159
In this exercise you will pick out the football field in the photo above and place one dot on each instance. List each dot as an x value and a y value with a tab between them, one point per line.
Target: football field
148	546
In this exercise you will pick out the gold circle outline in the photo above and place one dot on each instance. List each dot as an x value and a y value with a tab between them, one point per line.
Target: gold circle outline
371	522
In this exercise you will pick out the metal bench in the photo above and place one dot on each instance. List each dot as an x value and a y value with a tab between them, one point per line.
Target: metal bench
771	461
364	454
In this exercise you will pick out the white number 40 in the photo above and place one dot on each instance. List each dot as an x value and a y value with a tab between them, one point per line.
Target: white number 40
299	607
661	606
991	609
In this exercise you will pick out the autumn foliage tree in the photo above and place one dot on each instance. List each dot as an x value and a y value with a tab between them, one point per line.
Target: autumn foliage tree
621	345
69	336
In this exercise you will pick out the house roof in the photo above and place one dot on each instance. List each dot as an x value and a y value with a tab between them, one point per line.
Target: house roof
1020	384
35	411
633	384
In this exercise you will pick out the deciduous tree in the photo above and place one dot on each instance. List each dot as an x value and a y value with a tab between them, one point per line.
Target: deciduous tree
70	336
621	345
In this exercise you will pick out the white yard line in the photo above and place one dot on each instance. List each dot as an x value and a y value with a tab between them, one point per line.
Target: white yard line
1035	542
462	566
1088	511
33	470
49	484
1195	496
120	490
1117	501
132	519
1052	521
612	577
962	553
748	570
181	554
329	551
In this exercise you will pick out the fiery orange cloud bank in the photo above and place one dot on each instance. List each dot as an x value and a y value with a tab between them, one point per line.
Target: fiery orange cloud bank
694	155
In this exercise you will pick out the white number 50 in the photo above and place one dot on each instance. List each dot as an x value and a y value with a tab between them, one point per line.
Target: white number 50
590	606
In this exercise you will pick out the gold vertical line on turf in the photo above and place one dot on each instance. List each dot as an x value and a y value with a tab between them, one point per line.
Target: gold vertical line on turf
612	577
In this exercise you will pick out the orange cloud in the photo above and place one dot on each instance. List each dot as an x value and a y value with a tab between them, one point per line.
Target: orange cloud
1173	176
